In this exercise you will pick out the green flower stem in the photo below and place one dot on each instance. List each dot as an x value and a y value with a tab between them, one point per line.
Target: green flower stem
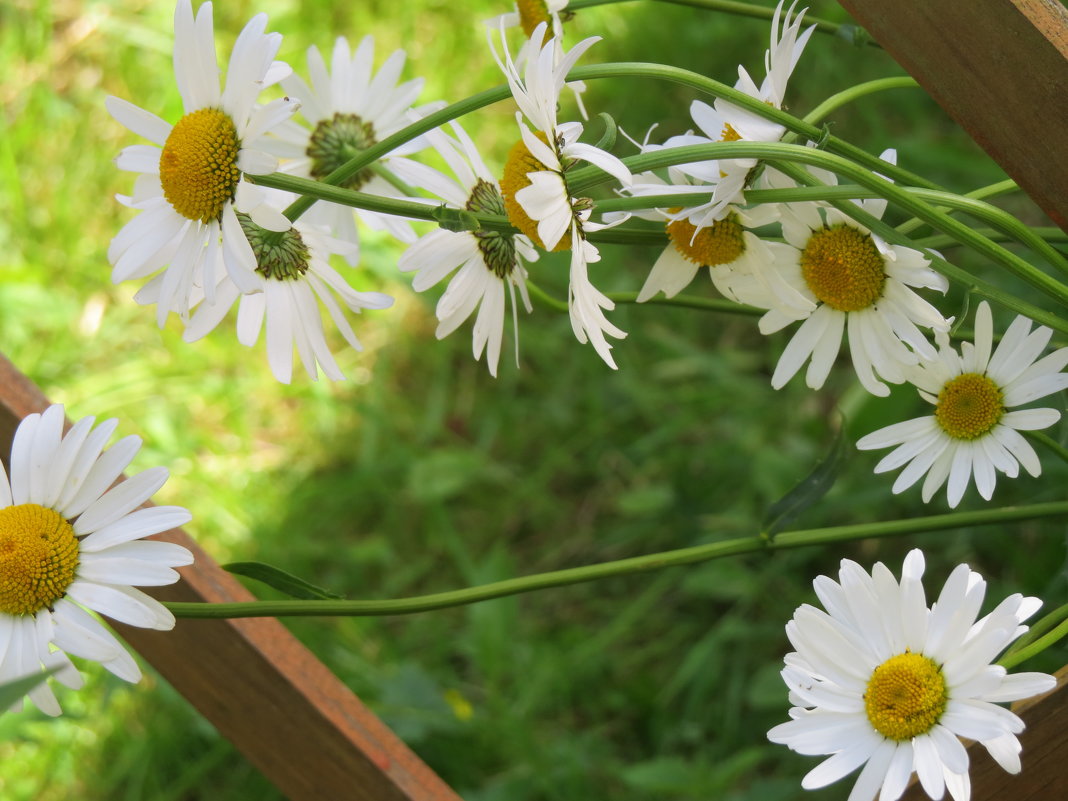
689	302
836	101
680	301
621	70
545	299
1048	442
391	143
783	155
846	31
982	193
629	236
1047	233
393	180
620	567
1039	645
970	204
701	83
1044	624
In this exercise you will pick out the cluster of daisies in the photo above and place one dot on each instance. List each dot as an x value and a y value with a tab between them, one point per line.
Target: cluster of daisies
211	239
879	679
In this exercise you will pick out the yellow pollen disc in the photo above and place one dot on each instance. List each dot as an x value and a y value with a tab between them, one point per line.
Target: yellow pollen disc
198	167
521	162
969	406
38	558
906	696
729	134
721	243
843	268
531	14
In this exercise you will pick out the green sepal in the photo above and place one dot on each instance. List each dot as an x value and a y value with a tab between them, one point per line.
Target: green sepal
455	219
293	586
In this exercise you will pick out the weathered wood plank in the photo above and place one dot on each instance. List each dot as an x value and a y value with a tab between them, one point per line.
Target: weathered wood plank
1000	69
263	690
1045	768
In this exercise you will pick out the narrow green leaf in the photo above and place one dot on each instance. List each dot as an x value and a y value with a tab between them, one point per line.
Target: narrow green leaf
608	138
13	691
813	487
279	579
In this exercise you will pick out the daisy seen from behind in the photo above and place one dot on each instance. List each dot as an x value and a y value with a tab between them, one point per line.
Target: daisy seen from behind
536	194
858	285
191	184
880	680
293	276
974	431
736	258
70	546
349	108
725	122
483	263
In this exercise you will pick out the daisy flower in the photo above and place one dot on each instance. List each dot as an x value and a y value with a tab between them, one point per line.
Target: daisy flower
856	282
882	681
726	122
528	15
488	261
736	258
191	185
536	195
972	432
69	546
293	275
349	108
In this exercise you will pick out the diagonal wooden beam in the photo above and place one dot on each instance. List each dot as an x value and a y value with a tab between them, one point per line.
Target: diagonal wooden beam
1044	776
1000	69
263	690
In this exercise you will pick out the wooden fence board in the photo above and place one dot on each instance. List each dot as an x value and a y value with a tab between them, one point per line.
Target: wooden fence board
260	687
1000	69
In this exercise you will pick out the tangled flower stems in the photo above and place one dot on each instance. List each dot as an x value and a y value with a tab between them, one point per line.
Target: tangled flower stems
782	155
611	70
853	93
637	564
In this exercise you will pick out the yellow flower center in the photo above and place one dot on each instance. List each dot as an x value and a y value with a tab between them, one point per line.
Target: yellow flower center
198	166
729	134
843	268
516	169
969	406
906	696
720	243
38	558
531	14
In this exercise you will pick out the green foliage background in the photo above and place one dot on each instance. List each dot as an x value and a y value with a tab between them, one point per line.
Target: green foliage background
422	473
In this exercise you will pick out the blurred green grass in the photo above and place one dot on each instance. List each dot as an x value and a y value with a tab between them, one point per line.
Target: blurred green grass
421	473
